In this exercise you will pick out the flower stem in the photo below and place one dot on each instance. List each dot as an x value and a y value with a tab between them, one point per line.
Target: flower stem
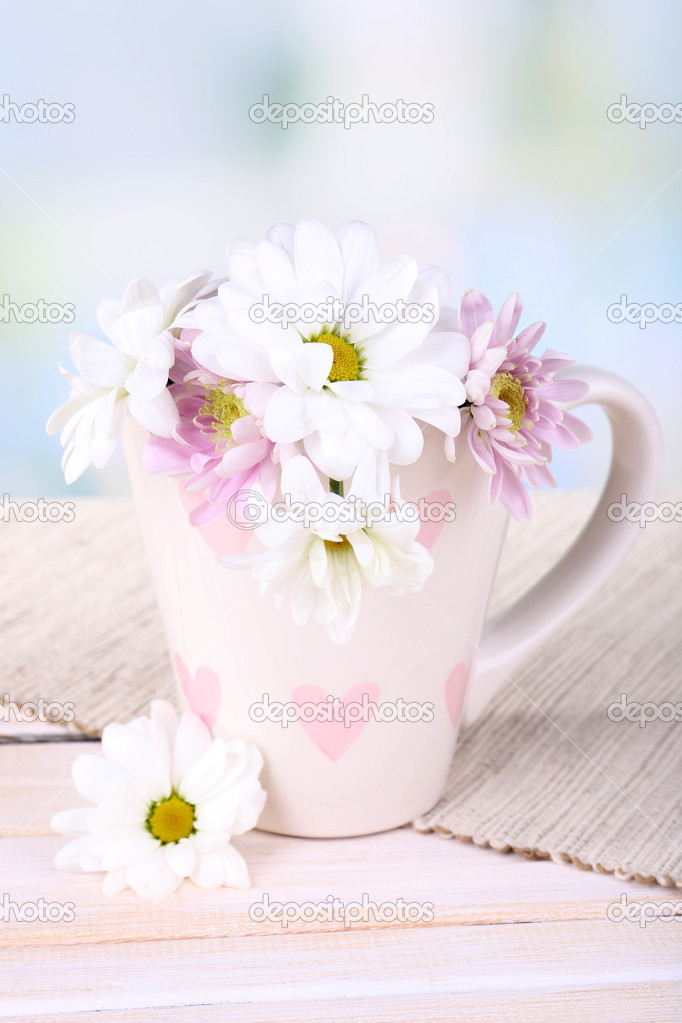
336	487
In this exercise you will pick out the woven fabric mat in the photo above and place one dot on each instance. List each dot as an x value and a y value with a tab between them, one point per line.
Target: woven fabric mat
544	772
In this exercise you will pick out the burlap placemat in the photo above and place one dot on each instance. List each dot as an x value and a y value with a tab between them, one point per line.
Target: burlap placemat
545	771
554	769
79	619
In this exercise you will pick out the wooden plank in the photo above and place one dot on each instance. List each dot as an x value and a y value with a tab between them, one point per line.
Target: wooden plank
35	782
655	1003
525	959
465	885
561	958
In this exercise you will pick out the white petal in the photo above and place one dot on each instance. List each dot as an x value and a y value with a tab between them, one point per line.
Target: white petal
151	878
94	777
178	294
300	480
448	349
99	363
138	294
360	254
115	882
137	757
409	440
232	356
317	255
205	773
287	418
283	235
277	274
181	857
209	871
446	419
72	822
191	742
235	871
439	279
131	331
162	731
158	415
391	281
81	854
131	849
122	808
329	456
149	377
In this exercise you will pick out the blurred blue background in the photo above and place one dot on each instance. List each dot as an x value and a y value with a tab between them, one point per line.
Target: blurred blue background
521	182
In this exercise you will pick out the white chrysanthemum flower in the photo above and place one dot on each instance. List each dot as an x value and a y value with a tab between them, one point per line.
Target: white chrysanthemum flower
323	563
168	798
130	376
362	386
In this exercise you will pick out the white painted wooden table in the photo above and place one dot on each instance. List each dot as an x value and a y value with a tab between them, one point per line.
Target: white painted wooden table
511	939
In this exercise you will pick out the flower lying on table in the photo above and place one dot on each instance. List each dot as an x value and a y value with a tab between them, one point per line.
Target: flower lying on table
168	798
314	349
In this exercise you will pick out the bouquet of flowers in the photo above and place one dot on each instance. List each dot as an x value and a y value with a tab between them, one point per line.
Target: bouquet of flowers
306	377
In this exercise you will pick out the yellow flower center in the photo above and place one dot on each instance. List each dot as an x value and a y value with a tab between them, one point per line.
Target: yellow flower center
506	388
338	545
223	409
171	819
346	361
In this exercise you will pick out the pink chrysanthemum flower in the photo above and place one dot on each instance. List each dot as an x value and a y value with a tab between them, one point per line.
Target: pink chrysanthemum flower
513	401
219	444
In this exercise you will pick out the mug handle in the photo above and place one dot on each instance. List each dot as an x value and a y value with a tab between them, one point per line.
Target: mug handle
635	472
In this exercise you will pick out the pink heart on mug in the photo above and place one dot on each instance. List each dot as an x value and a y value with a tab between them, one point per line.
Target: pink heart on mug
221	535
455	691
202	691
429	530
334	738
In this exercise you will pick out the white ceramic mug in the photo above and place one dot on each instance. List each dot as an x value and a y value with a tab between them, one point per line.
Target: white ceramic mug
417	667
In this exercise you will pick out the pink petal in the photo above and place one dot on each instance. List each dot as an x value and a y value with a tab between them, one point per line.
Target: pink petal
474	309
508	318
